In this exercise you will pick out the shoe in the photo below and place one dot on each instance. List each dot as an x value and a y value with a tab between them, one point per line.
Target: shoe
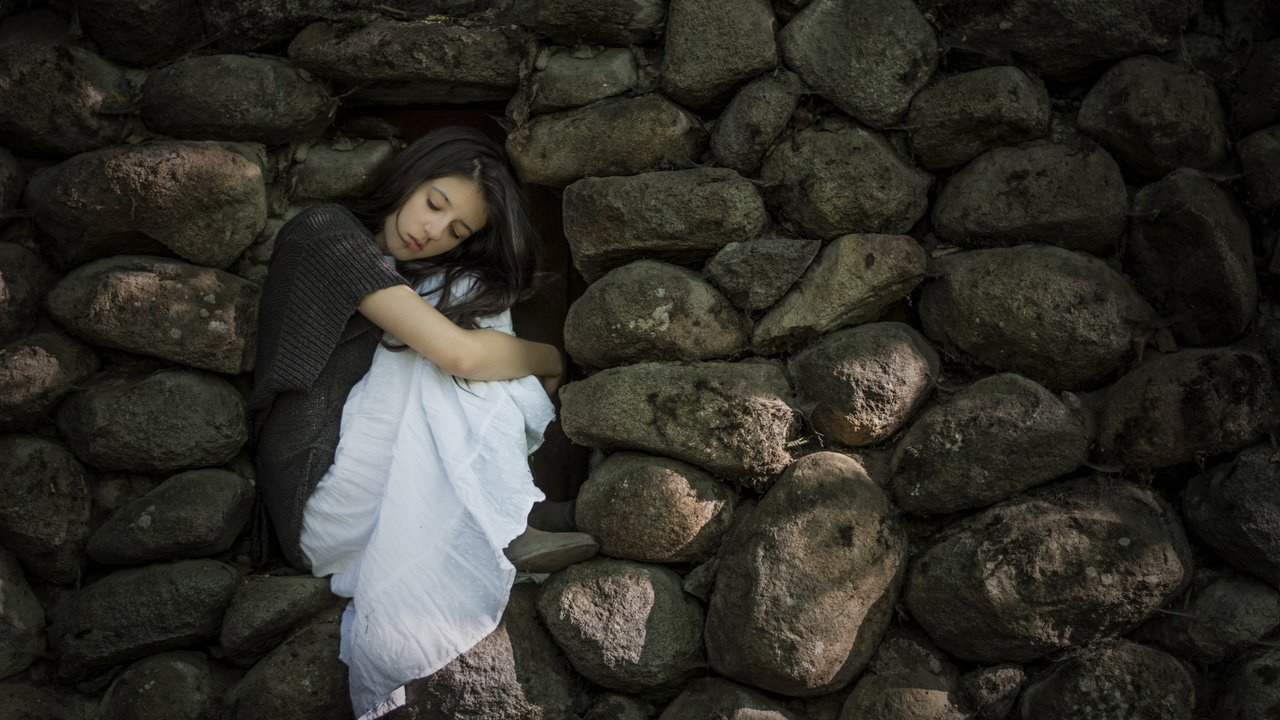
544	552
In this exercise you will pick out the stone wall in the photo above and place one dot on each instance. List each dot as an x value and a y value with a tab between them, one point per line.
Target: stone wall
930	349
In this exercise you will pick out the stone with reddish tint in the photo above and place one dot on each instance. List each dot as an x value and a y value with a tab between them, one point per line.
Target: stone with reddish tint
302	679
21	619
599	22
1120	678
25	278
36	372
142	33
755	273
753	119
961	116
714	697
1223	615
1235	509
44	520
1260	160
711	46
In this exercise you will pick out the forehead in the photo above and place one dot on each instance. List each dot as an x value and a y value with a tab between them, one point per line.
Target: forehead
462	196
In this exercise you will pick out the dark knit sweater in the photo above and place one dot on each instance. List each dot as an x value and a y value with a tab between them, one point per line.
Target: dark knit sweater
312	348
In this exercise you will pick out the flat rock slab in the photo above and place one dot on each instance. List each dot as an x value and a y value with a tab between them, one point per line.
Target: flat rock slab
852	281
1189	404
21	619
711	46
612	221
997	437
838	179
1190	253
1063	319
568	78
1255	102
908	679
107	202
1144	682
616	136
302	679
142	34
1234	508
266	609
1062	566
105	624
168	686
36	372
599	22
26	278
964	115
755	273
44	519
753	119
163	422
731	419
714	697
868	57
1260	160
1222	616
1071	195
195	315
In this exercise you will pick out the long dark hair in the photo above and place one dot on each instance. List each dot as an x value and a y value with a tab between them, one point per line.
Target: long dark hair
499	258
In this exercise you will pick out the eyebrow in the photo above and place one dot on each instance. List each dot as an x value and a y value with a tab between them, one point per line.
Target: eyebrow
450	203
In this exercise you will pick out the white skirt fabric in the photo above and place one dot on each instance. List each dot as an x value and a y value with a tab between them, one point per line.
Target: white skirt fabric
429	483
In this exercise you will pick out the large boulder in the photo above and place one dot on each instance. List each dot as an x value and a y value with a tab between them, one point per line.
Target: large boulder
729	418
168	686
568	78
753	119
612	221
44	518
1121	679
1223	615
158	423
36	372
714	697
1235	508
599	22
1255	102
302	679
21	619
190	314
1260	161
25	278
1067	194
964	115
1249	690
908	679
996	437
209	209
808	584
1061	318
1063	566
713	45
142	33
754	273
266	609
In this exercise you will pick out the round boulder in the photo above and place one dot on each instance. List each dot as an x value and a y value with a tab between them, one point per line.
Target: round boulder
168	686
713	45
753	274
36	372
1222	616
266	609
1235	508
961	116
44	518
302	679
1121	679
25	278
21	619
753	119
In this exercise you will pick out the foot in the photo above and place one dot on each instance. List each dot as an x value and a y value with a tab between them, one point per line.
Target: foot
544	552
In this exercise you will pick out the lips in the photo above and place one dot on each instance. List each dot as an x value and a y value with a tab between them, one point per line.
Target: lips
413	243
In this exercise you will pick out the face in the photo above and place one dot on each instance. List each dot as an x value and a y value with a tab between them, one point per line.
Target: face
439	216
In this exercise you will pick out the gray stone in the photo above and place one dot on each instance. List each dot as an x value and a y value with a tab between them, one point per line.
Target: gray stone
862	384
111	491
753	119
1190	254
805	589
1234	508
908	679
1121	679
961	116
572	78
714	697
21	619
1063	319
711	46
654	509
731	419
683	216
993	691
12	180
997	437
302	679
1260	160
618	707
1067	194
36	372
838	179
1255	102
1062	566
22	699
336	170
25	278
601	22
1157	116
1186	405
133	613
650	310
209	209
166	308
266	609
59	99
192	514
168	686
852	281
44	519
868	57
755	273
142	33
1222	616
1249	690
616	136
235	97
623	625
240	25
158	423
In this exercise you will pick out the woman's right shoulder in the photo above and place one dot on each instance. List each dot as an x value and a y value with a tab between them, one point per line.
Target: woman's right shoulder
324	222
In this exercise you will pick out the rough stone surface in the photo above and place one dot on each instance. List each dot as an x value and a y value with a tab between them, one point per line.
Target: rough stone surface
1190	254
1064	565
964	115
43	520
612	221
714	697
654	509
713	45
36	372
25	278
1063	319
235	97
650	310
999	436
142	33
105	623
1260	160
28	700
601	22
908	679
1255	103
868	57
190	314
753	119
240	25
572	78
1123	679
862	384
302	679
617	136
618	707
168	686
338	169
163	422
853	280
12	180
623	625
755	273
1067	194
192	514
993	691
265	610
729	418
1157	116
208	211
806	588
21	619
1249	691
1223	615
1235	509
838	179
1190	404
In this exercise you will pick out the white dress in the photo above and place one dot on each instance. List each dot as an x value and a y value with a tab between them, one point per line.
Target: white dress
429	483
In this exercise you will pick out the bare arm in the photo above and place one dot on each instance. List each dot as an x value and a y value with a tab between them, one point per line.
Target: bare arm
471	354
